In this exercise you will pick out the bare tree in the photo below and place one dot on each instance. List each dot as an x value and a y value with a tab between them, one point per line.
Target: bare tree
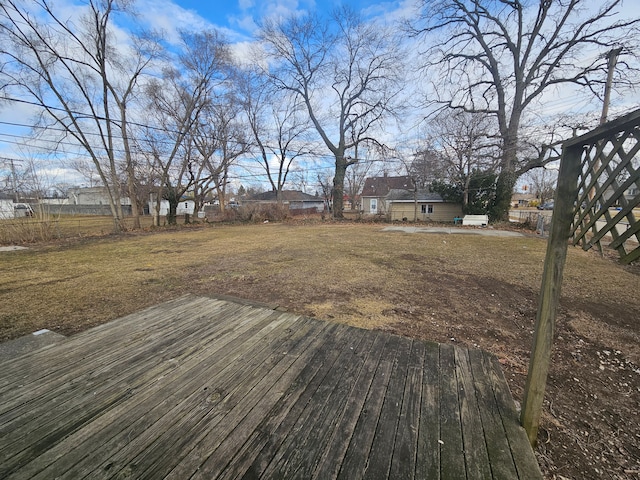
364	166
346	72
278	125
542	183
468	145
176	103
86	169
325	181
82	80
503	55
301	179
428	164
218	141
13	180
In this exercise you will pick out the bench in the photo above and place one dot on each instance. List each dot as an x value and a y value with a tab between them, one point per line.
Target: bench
477	220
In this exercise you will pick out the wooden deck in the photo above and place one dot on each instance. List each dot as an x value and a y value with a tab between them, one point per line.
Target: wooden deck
209	388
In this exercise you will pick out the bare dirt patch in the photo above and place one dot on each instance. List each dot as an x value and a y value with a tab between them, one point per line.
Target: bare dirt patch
476	291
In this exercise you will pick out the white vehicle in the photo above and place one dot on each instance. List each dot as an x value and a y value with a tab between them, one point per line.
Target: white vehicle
22	210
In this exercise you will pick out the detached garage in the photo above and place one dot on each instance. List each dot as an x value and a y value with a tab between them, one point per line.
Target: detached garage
422	205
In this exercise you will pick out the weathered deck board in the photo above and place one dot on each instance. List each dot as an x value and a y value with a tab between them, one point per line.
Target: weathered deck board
357	455
86	398
210	388
161	429
428	448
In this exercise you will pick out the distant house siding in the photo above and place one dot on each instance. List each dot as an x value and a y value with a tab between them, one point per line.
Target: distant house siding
366	204
442	212
381	207
291	199
318	205
93	196
6	209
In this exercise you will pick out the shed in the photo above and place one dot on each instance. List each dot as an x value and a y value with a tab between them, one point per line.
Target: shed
423	204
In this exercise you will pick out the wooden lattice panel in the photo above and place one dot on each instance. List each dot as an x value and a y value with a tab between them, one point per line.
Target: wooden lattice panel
609	189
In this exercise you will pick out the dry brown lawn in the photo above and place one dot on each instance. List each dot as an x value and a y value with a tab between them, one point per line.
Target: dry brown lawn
471	290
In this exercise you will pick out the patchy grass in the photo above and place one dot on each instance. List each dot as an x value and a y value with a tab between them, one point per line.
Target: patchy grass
472	290
46	226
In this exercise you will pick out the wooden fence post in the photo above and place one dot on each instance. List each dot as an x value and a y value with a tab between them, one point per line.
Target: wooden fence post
563	211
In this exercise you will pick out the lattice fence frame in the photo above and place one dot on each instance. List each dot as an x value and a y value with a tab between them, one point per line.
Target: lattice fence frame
610	167
595	171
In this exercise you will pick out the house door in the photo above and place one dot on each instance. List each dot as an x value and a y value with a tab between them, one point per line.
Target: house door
374	205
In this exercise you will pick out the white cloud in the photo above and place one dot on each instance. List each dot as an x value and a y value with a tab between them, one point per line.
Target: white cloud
244	52
246	4
390	12
245	23
166	16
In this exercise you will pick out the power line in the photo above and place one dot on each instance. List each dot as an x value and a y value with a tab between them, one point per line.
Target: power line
90	115
84	133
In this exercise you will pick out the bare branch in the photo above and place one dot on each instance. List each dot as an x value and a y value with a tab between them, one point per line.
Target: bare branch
499	57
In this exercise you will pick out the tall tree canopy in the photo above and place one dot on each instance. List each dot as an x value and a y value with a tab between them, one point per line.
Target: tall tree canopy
345	71
500	57
83	75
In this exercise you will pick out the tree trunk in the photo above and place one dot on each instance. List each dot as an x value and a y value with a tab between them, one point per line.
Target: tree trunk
502	201
156	201
171	196
501	204
116	208
131	186
117	226
338	187
466	193
156	214
172	214
131	181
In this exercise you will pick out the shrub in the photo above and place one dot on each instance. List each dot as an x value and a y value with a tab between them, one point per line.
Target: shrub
42	227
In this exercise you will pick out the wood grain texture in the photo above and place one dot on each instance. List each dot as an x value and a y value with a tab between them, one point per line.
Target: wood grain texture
210	388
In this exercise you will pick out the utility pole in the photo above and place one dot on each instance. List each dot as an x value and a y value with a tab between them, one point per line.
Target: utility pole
612	56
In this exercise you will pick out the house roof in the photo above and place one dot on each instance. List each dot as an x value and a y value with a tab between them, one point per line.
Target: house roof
523	196
287	196
400	195
381	186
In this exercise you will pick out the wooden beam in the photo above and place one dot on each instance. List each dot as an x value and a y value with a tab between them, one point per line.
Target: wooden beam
603	131
566	193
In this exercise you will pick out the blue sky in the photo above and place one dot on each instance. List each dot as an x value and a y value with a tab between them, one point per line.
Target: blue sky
238	19
239	15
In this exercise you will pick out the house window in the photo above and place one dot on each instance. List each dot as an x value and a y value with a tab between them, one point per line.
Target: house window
426	208
374	205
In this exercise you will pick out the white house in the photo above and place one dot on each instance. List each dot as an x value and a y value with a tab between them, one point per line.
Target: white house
6	209
184	207
93	196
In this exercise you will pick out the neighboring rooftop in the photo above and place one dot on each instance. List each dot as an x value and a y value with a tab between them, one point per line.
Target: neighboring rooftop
398	195
381	186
